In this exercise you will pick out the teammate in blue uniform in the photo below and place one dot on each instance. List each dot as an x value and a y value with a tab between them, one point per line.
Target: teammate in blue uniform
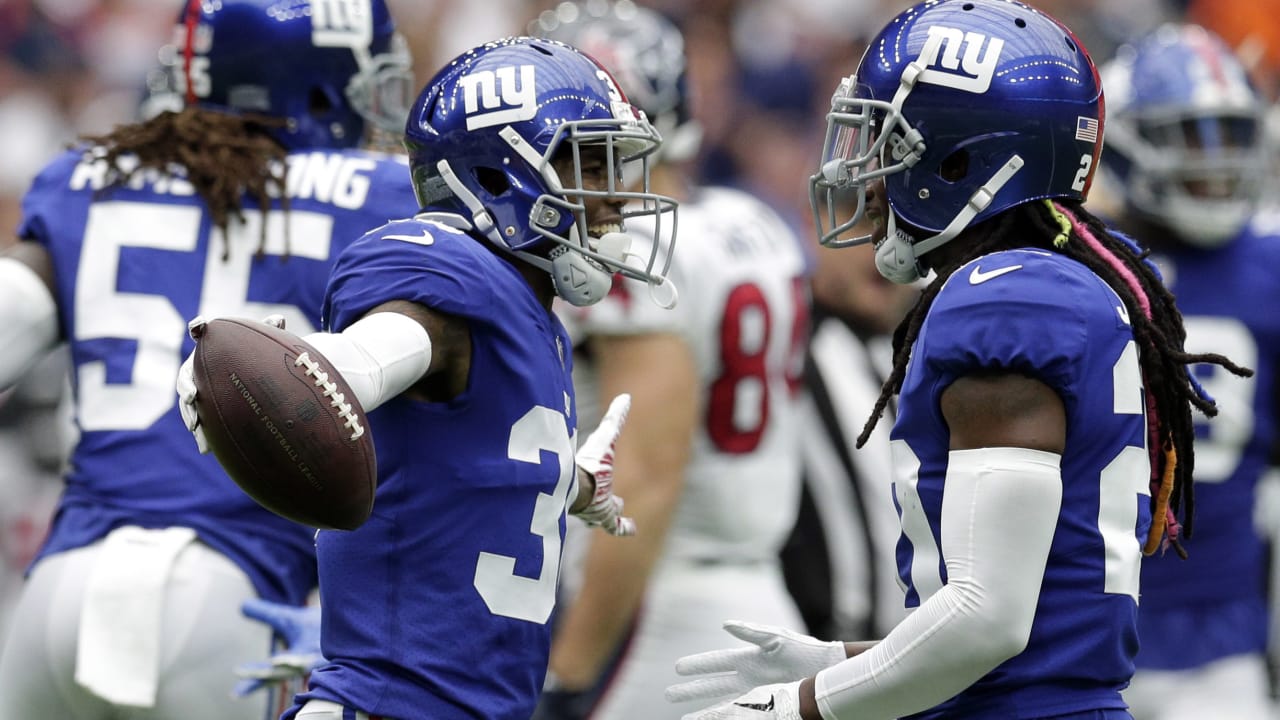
238	204
439	605
1044	435
709	468
1185	145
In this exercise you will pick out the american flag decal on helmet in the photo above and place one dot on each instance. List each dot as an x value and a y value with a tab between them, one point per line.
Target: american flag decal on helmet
1087	129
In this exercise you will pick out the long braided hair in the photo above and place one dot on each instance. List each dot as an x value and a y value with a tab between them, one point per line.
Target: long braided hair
1171	391
224	156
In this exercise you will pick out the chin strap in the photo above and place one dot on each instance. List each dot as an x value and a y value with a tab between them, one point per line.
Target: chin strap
581	280
578	279
480	218
898	256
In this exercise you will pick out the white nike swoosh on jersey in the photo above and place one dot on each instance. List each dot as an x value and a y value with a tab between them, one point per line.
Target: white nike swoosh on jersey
424	239
977	277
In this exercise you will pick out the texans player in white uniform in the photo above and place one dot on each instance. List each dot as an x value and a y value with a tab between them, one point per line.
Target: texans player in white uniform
710	462
238	204
839	561
1044	438
439	606
1186	148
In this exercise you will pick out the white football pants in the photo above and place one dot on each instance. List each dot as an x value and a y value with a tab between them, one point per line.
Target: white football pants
202	638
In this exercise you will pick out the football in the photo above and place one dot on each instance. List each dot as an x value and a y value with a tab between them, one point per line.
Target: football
283	424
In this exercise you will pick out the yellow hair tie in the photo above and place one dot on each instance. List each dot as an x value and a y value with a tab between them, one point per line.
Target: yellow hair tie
1059	240
1159	514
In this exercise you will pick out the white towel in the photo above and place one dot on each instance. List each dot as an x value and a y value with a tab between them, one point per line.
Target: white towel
118	652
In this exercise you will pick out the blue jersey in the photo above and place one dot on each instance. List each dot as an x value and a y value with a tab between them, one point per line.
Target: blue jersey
1213	604
438	606
133	264
1048	317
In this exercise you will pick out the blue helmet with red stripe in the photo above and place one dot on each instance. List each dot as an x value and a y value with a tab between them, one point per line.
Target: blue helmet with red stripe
484	138
964	108
1186	136
327	67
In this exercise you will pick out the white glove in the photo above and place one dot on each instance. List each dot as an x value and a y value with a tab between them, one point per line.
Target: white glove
778	655
595	457
186	382
186	387
768	702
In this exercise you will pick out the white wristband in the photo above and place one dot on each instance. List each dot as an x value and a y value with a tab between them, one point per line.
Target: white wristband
380	355
28	320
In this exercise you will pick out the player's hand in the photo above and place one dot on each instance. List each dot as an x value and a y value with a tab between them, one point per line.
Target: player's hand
768	702
186	382
299	627
186	387
776	655
595	458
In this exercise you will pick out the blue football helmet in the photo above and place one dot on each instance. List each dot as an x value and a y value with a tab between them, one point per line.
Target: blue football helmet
644	51
964	108
327	67
1186	134
482	137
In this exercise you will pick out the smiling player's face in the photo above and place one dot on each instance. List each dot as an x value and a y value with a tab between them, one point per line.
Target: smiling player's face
603	213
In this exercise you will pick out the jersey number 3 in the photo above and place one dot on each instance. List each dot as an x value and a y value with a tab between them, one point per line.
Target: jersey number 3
504	592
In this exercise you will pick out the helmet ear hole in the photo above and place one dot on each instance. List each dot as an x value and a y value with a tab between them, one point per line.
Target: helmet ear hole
318	102
954	167
493	181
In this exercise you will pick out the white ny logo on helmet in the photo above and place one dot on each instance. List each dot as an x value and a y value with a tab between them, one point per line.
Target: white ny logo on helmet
341	23
944	66
485	106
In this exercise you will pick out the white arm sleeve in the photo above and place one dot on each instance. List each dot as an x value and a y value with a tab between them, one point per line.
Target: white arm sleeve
999	510
379	355
28	320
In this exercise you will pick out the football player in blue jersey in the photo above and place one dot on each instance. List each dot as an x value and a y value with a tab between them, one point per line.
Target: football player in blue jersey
1186	149
238	204
1044	433
710	463
439	605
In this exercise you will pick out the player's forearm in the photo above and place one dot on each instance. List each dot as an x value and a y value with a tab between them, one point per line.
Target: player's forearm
586	488
649	473
857	647
597	621
999	512
28	316
651	457
380	355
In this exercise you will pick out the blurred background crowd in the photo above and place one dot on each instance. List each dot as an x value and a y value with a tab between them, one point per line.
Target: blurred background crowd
762	71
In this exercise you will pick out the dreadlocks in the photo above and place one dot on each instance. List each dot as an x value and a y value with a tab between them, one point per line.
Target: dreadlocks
1066	227
223	156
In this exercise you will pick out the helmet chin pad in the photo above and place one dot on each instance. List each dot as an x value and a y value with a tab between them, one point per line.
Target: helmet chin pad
578	279
896	256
